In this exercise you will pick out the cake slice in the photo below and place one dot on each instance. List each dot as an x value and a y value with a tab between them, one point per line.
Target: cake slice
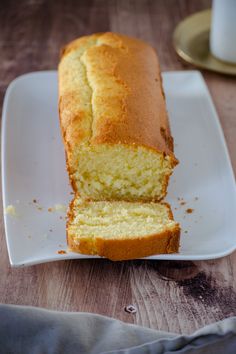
121	230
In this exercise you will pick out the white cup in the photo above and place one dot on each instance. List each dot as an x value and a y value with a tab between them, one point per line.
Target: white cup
223	30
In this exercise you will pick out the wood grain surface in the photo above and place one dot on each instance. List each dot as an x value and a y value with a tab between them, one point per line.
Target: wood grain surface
173	296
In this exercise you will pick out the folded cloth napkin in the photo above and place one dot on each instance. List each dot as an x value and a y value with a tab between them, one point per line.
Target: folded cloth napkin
29	330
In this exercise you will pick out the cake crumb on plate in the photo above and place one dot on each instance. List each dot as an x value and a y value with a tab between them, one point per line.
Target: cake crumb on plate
10	210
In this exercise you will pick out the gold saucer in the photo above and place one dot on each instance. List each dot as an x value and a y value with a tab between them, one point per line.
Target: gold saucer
191	42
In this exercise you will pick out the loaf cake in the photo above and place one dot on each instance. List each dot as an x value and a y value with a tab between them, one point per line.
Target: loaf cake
113	119
119	148
121	230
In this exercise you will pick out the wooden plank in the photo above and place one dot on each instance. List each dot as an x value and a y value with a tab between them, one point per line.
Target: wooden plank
175	296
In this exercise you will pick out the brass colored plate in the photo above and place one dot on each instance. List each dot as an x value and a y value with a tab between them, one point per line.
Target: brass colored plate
191	42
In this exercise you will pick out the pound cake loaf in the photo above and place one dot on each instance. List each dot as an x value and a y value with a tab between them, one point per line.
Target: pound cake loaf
118	146
121	230
113	119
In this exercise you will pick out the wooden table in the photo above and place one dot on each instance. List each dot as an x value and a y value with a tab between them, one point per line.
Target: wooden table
173	296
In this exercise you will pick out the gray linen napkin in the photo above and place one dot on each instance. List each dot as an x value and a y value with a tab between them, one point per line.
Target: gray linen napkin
29	330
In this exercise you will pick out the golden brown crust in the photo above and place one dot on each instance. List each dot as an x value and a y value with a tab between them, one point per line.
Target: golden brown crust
128	104
126	248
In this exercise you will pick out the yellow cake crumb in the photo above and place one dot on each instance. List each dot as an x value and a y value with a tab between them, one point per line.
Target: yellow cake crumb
10	210
60	207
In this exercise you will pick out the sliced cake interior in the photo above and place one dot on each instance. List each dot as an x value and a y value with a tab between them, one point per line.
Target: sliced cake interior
120	172
121	230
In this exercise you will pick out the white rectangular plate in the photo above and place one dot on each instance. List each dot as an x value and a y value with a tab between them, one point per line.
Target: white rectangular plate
33	168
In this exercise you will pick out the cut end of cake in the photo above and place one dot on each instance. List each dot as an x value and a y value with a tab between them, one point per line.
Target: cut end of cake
112	172
121	230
